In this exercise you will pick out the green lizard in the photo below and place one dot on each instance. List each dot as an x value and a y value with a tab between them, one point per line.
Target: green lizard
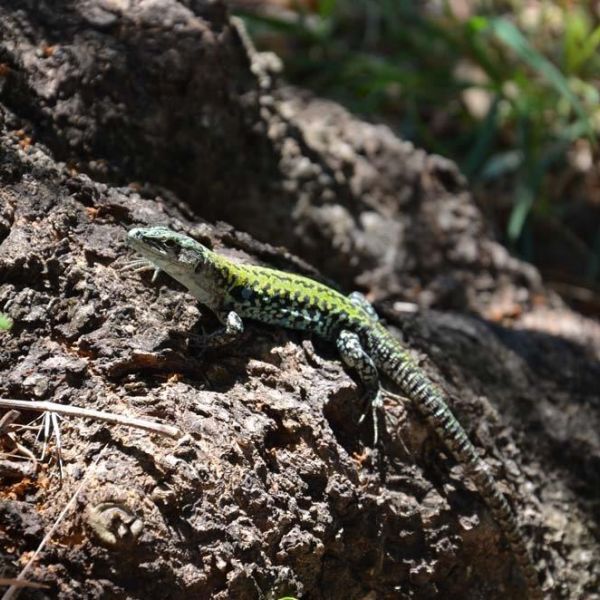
234	291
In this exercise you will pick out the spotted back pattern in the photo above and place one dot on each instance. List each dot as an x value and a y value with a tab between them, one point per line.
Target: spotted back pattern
290	300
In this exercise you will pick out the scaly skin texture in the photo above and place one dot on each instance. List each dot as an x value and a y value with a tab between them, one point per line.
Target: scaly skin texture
234	292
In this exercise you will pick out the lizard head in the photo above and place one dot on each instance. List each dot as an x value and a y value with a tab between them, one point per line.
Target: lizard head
167	249
180	256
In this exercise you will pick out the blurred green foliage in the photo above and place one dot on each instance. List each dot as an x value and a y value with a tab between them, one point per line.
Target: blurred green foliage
506	89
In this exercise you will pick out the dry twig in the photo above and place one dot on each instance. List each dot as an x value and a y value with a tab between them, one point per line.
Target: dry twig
76	411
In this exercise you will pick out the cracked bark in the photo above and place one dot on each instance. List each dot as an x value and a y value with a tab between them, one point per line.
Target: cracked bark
123	114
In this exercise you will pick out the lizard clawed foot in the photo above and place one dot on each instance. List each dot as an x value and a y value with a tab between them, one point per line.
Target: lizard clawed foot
139	265
373	406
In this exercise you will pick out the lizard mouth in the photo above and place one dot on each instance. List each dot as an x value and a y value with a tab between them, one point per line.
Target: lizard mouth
149	245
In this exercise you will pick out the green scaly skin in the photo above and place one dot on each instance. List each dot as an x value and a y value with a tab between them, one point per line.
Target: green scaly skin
234	291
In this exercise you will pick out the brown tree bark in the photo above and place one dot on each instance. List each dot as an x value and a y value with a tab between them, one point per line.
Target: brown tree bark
119	114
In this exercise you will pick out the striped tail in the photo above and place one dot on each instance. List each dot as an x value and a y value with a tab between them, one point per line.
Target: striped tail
431	404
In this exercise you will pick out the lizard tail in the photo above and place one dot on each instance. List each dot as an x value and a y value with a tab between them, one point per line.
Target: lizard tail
431	404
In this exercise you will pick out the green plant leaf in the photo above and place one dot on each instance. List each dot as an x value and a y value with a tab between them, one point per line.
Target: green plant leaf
485	138
326	8
501	164
523	202
587	50
5	322
506	32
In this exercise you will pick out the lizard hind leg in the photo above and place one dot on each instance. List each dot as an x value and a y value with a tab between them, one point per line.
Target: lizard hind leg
355	357
358	299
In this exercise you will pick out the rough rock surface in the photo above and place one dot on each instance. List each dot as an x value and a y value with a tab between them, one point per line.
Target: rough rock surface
115	114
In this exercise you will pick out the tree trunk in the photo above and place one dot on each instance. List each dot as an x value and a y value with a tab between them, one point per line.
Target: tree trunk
121	114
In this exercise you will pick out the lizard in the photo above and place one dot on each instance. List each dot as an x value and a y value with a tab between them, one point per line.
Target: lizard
235	291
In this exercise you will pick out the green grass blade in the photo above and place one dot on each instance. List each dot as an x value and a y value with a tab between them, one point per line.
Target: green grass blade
523	203
588	49
506	32
485	139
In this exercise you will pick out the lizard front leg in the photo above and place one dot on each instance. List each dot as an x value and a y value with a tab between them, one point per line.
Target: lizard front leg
354	355
234	327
